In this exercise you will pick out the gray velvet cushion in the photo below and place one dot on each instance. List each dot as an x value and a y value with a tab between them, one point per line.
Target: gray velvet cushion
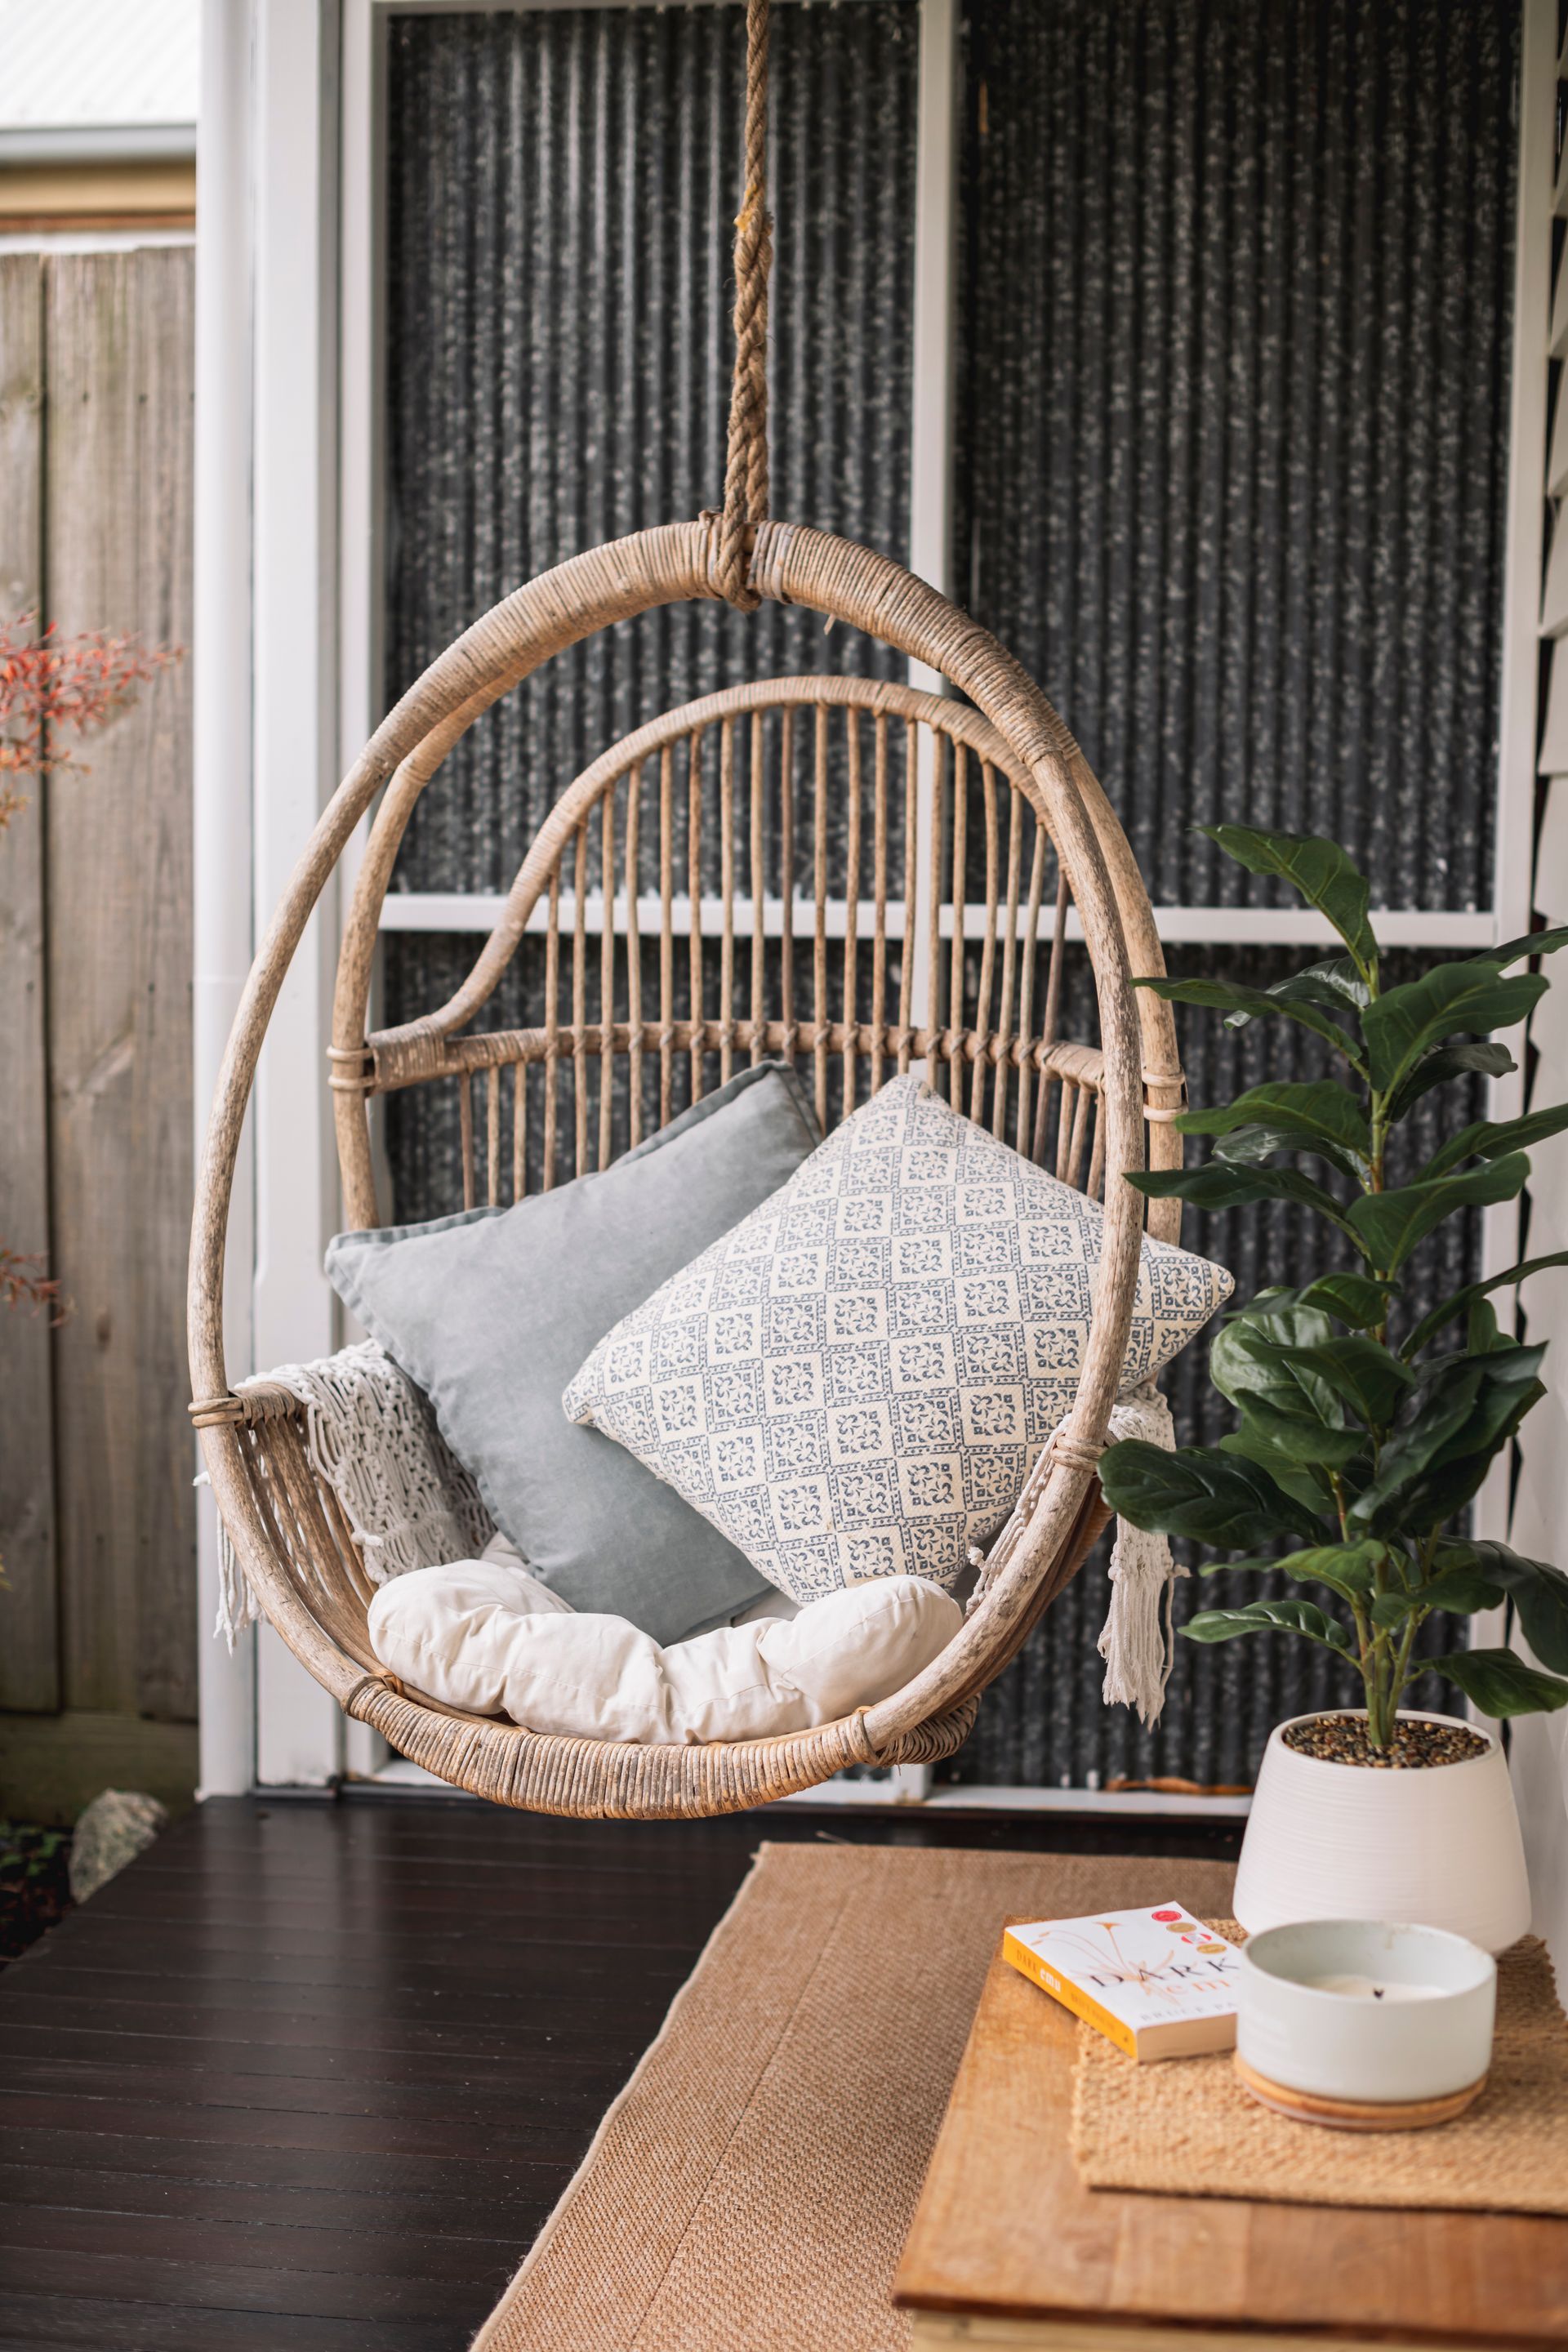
493	1311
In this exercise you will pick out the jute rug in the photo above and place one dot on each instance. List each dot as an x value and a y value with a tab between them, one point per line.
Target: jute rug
751	2188
1191	2130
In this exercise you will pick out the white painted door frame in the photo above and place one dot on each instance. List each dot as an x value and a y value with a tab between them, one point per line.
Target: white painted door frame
288	652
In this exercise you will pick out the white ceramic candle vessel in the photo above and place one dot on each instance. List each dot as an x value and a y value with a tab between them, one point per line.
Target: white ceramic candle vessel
1421	2029
1436	1846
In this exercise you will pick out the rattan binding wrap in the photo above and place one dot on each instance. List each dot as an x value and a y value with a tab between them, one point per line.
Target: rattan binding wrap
1016	754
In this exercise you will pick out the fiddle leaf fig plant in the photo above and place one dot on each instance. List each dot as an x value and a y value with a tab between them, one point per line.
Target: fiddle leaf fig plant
1359	1443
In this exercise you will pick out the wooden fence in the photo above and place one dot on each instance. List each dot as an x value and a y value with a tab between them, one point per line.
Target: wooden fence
98	1666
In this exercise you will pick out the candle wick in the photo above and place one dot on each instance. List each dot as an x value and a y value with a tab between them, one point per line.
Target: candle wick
1378	1992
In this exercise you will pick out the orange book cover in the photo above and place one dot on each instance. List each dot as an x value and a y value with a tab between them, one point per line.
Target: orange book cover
1157	1983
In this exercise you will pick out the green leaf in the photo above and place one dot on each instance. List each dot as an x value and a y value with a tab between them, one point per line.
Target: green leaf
1204	1494
1501	1684
1336	984
1358	1299
1482	1054
1368	1377
1259	1361
1346	1569
1322	1113
1218	1187
1272	1617
1293	1419
1489	1139
1250	1356
1306	1483
1318	869
1320	1117
1533	943
1436	1459
1308	1442
1462	1300
1347	1566
1460	1590
1240	1005
1249	1147
1390	1225
1472	997
1539	1593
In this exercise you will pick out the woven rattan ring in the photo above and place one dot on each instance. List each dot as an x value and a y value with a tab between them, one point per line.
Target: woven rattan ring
295	1562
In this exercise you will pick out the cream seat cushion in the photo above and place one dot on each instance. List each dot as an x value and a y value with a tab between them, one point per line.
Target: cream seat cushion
485	1635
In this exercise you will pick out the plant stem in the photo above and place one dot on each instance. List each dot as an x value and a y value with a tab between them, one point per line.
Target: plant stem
1380	1673
1402	1674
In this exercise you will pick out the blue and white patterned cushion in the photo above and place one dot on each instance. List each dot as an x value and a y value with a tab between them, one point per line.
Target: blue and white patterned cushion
855	1381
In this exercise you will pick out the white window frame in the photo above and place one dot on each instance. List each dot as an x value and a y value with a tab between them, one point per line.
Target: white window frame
290	444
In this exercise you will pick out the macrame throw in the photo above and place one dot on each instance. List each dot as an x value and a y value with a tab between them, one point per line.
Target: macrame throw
1138	1640
371	1438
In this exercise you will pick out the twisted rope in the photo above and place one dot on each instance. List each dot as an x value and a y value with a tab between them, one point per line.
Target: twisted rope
746	459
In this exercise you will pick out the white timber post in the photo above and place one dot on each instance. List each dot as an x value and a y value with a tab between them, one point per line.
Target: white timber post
222	770
295	649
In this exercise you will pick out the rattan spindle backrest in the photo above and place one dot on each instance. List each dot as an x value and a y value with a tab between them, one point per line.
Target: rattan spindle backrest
841	872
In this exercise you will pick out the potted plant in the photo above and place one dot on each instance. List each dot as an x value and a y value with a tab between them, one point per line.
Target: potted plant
1366	1430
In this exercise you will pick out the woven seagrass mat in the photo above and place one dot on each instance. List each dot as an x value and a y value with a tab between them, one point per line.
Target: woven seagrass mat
1187	2126
751	2188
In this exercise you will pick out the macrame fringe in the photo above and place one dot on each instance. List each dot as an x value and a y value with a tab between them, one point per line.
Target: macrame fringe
1138	1643
238	1606
372	1437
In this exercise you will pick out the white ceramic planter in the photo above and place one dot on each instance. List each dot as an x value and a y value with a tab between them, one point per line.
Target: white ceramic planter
1359	2046
1435	1848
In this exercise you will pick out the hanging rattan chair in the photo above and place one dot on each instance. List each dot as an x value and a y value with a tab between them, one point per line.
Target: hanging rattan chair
895	784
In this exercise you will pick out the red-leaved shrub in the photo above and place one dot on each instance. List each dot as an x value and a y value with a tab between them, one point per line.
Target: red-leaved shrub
55	689
53	692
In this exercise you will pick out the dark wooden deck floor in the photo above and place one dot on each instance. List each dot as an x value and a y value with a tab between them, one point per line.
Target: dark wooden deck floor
307	2077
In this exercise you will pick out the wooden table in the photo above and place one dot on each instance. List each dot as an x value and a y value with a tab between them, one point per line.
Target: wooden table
1008	2247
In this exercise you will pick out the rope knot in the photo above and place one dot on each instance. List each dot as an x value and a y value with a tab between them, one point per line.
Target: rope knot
1072	1454
215	1412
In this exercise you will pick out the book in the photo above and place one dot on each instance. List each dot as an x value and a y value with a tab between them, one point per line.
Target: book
1158	1983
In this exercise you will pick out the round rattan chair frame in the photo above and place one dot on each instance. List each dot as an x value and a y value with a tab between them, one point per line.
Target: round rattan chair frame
291	1541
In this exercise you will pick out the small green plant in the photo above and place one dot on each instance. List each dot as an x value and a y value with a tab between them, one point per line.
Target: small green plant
27	1853
35	1885
1361	1442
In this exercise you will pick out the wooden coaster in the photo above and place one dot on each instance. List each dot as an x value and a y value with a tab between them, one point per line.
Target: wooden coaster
1353	2115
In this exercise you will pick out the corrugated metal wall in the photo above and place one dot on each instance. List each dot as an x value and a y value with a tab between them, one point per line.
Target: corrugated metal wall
1235	375
1230	480
562	189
